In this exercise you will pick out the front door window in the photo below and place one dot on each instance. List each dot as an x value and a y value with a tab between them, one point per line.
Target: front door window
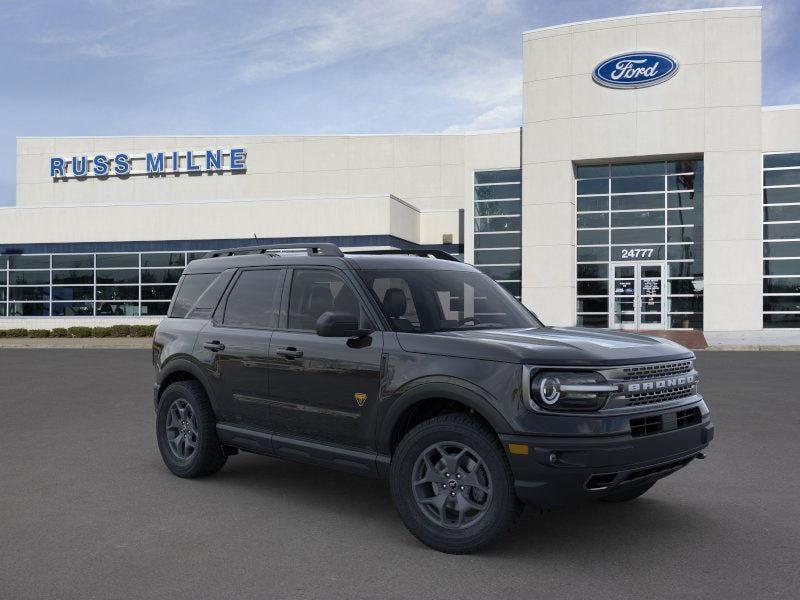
637	295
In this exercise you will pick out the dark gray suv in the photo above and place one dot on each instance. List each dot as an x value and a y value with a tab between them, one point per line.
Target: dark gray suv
415	367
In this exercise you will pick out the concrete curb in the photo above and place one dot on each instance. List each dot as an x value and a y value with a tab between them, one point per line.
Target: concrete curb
753	348
78	343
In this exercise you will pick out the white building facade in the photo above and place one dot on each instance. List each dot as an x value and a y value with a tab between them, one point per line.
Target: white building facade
647	188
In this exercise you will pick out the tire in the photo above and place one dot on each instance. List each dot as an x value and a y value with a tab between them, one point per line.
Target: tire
627	494
455	512
184	412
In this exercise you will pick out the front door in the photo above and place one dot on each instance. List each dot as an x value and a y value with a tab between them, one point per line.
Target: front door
637	299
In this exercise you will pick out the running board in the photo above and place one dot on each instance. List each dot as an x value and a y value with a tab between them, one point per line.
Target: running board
270	444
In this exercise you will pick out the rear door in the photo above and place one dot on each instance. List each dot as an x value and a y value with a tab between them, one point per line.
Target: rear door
234	345
324	389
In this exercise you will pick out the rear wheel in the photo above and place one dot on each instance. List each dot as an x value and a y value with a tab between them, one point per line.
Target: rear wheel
186	431
452	485
629	493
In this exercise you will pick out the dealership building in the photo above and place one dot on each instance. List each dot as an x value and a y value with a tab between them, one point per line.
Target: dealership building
646	188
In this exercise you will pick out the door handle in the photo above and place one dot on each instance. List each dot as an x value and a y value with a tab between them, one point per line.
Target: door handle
290	353
214	346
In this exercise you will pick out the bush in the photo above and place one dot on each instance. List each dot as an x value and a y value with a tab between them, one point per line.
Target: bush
16	332
80	332
120	330
142	330
38	333
101	332
59	332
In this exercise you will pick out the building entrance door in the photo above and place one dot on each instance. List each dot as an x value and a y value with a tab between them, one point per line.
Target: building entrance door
637	295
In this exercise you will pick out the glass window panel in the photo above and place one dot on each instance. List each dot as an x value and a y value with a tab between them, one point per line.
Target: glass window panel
592	271
73	261
782	249
513	272
782	213
593	220
684	166
773	321
592	186
680	234
73	277
2	294
73	309
637	202
493	192
686	321
161	275
684	217
693	304
592	320
783	303
592	254
118	276
513	287
157	292
788	177
683	182
254	299
591	171
312	293
592	236
498	257
593	305
789	159
498	240
680	252
681	269
117	309
782	285
637	184
637	236
163	259
637	219
191	288
29	277
597	203
3	261
28	309
498	224
2	310
28	261
117	260
684	199
685	286
782	267
782	195
592	288
2	277
154	309
118	292
73	292
483	209
782	231
498	176
648	168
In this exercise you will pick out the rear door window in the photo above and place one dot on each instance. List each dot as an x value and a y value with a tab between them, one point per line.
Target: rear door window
254	299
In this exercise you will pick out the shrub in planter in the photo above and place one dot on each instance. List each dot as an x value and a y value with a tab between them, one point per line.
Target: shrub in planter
142	330
120	330
16	332
80	332
38	333
101	332
59	332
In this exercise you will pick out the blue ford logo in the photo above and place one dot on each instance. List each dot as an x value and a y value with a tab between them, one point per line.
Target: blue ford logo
635	70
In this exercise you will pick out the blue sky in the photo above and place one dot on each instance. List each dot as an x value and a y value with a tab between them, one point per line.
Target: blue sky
152	67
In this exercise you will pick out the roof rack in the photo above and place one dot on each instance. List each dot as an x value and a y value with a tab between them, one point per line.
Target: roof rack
440	254
323	249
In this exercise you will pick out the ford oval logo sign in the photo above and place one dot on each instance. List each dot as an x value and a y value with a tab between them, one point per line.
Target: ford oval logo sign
635	70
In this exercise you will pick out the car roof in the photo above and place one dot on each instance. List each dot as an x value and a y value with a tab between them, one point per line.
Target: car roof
347	261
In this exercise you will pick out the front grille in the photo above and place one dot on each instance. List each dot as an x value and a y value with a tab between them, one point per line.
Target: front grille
656	370
654	396
666	422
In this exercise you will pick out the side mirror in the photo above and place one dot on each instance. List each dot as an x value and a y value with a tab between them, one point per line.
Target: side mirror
340	324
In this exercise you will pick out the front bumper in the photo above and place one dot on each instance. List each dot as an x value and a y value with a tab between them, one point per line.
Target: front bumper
563	471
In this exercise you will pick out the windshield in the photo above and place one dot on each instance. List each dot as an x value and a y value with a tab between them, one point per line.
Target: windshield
429	301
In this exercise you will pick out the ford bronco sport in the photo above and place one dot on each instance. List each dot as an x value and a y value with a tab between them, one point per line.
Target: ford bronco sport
422	370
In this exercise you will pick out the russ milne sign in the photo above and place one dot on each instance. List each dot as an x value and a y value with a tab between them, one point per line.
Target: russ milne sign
152	163
635	70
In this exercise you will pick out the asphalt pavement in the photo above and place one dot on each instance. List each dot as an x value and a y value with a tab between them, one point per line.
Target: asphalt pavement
87	510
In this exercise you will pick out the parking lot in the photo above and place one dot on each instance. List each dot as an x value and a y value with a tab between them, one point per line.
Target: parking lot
87	510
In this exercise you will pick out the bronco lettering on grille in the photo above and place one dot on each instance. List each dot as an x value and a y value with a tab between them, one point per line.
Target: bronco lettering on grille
659	384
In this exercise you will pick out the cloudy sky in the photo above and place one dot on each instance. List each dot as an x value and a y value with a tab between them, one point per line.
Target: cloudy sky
104	67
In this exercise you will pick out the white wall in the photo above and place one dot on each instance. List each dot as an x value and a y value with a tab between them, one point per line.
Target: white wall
712	106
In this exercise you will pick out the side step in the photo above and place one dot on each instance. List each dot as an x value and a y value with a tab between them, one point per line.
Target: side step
270	444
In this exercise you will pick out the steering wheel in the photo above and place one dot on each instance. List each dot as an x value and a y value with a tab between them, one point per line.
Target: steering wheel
466	320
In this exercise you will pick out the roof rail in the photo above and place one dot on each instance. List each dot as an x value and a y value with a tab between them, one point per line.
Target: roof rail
323	249
440	254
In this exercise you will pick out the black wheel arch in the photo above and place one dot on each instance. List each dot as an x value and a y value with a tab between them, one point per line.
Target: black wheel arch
181	369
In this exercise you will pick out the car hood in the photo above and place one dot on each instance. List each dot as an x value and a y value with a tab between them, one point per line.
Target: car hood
568	346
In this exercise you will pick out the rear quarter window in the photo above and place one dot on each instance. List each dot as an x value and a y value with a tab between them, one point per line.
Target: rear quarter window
189	290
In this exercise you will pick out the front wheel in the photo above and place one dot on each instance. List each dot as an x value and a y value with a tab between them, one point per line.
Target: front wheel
452	484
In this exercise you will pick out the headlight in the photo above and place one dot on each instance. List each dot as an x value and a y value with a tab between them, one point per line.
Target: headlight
565	390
